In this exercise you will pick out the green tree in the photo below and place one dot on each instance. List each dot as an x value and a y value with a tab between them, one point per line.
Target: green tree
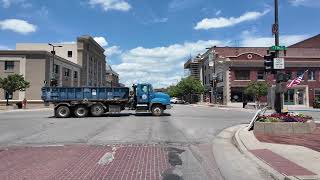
257	90
188	86
174	91
13	83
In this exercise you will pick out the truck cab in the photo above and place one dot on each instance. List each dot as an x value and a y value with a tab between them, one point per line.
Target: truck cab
146	100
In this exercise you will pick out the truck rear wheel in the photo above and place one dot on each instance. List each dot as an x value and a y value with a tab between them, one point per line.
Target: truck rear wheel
97	110
62	112
81	111
157	110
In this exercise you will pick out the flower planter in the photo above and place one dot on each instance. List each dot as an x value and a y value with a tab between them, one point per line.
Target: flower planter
279	128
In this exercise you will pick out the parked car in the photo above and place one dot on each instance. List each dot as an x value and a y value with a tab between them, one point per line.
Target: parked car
175	100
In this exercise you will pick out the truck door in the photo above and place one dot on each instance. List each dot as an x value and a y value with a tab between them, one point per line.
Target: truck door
143	94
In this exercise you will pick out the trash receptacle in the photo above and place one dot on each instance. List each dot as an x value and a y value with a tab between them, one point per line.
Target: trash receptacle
19	105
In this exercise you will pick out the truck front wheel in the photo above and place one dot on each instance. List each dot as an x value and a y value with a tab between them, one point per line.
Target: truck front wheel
157	110
62	112
81	111
97	110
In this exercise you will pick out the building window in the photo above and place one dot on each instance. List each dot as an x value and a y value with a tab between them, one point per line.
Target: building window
56	69
67	72
317	94
299	73
242	75
205	79
311	75
260	75
220	77
75	74
69	53
8	65
8	95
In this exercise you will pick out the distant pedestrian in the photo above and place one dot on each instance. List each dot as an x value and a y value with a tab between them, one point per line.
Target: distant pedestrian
245	102
24	103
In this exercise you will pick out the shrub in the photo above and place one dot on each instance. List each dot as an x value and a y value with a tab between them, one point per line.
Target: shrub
290	117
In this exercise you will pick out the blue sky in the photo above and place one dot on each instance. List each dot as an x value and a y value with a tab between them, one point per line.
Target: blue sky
149	40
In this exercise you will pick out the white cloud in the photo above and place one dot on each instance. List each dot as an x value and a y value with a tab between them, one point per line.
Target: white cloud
113	50
67	42
161	66
2	47
222	22
307	3
249	40
17	25
107	5
160	20
218	12
6	3
22	3
101	41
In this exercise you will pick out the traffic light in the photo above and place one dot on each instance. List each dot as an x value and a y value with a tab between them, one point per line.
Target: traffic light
211	83
268	62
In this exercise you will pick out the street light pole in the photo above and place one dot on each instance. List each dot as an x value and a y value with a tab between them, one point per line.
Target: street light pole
278	105
53	65
214	76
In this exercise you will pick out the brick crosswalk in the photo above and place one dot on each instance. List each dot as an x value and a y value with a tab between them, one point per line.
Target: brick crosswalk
80	162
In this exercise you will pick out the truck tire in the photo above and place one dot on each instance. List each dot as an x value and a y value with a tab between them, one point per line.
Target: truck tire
157	110
81	111
62	112
97	110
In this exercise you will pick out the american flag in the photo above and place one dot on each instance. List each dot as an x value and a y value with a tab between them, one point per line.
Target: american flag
296	81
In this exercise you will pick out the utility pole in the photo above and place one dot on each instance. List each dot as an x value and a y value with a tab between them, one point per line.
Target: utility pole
278	104
214	76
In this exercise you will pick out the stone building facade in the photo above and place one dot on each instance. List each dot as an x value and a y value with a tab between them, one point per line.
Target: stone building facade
36	67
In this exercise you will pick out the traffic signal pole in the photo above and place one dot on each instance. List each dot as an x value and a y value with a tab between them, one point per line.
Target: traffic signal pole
278	104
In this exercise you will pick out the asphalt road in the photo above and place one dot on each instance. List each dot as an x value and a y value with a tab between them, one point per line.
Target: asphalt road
185	127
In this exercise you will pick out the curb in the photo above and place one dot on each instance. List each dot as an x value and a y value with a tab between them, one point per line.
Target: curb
24	110
242	148
231	161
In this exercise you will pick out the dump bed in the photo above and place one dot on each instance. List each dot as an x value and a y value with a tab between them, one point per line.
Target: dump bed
64	94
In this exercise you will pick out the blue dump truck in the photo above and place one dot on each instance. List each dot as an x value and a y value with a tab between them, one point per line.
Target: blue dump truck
96	101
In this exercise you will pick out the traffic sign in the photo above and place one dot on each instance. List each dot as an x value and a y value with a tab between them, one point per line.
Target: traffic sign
278	63
278	48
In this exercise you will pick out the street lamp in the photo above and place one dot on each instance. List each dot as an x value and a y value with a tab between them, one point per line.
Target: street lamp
53	79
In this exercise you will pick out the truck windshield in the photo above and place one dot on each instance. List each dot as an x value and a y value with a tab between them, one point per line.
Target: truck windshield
150	89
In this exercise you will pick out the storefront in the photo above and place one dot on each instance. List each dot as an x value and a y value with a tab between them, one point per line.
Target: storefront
296	96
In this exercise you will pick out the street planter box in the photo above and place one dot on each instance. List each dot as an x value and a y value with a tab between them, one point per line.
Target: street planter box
282	128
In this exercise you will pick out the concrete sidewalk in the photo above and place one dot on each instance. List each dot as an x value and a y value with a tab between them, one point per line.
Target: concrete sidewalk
223	107
282	161
232	163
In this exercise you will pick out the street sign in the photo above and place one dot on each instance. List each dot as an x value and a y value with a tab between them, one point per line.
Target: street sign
278	63
278	48
214	77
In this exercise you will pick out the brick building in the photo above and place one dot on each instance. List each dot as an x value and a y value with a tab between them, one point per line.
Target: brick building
236	67
112	77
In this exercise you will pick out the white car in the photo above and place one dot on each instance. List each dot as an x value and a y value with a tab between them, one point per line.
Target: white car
175	100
